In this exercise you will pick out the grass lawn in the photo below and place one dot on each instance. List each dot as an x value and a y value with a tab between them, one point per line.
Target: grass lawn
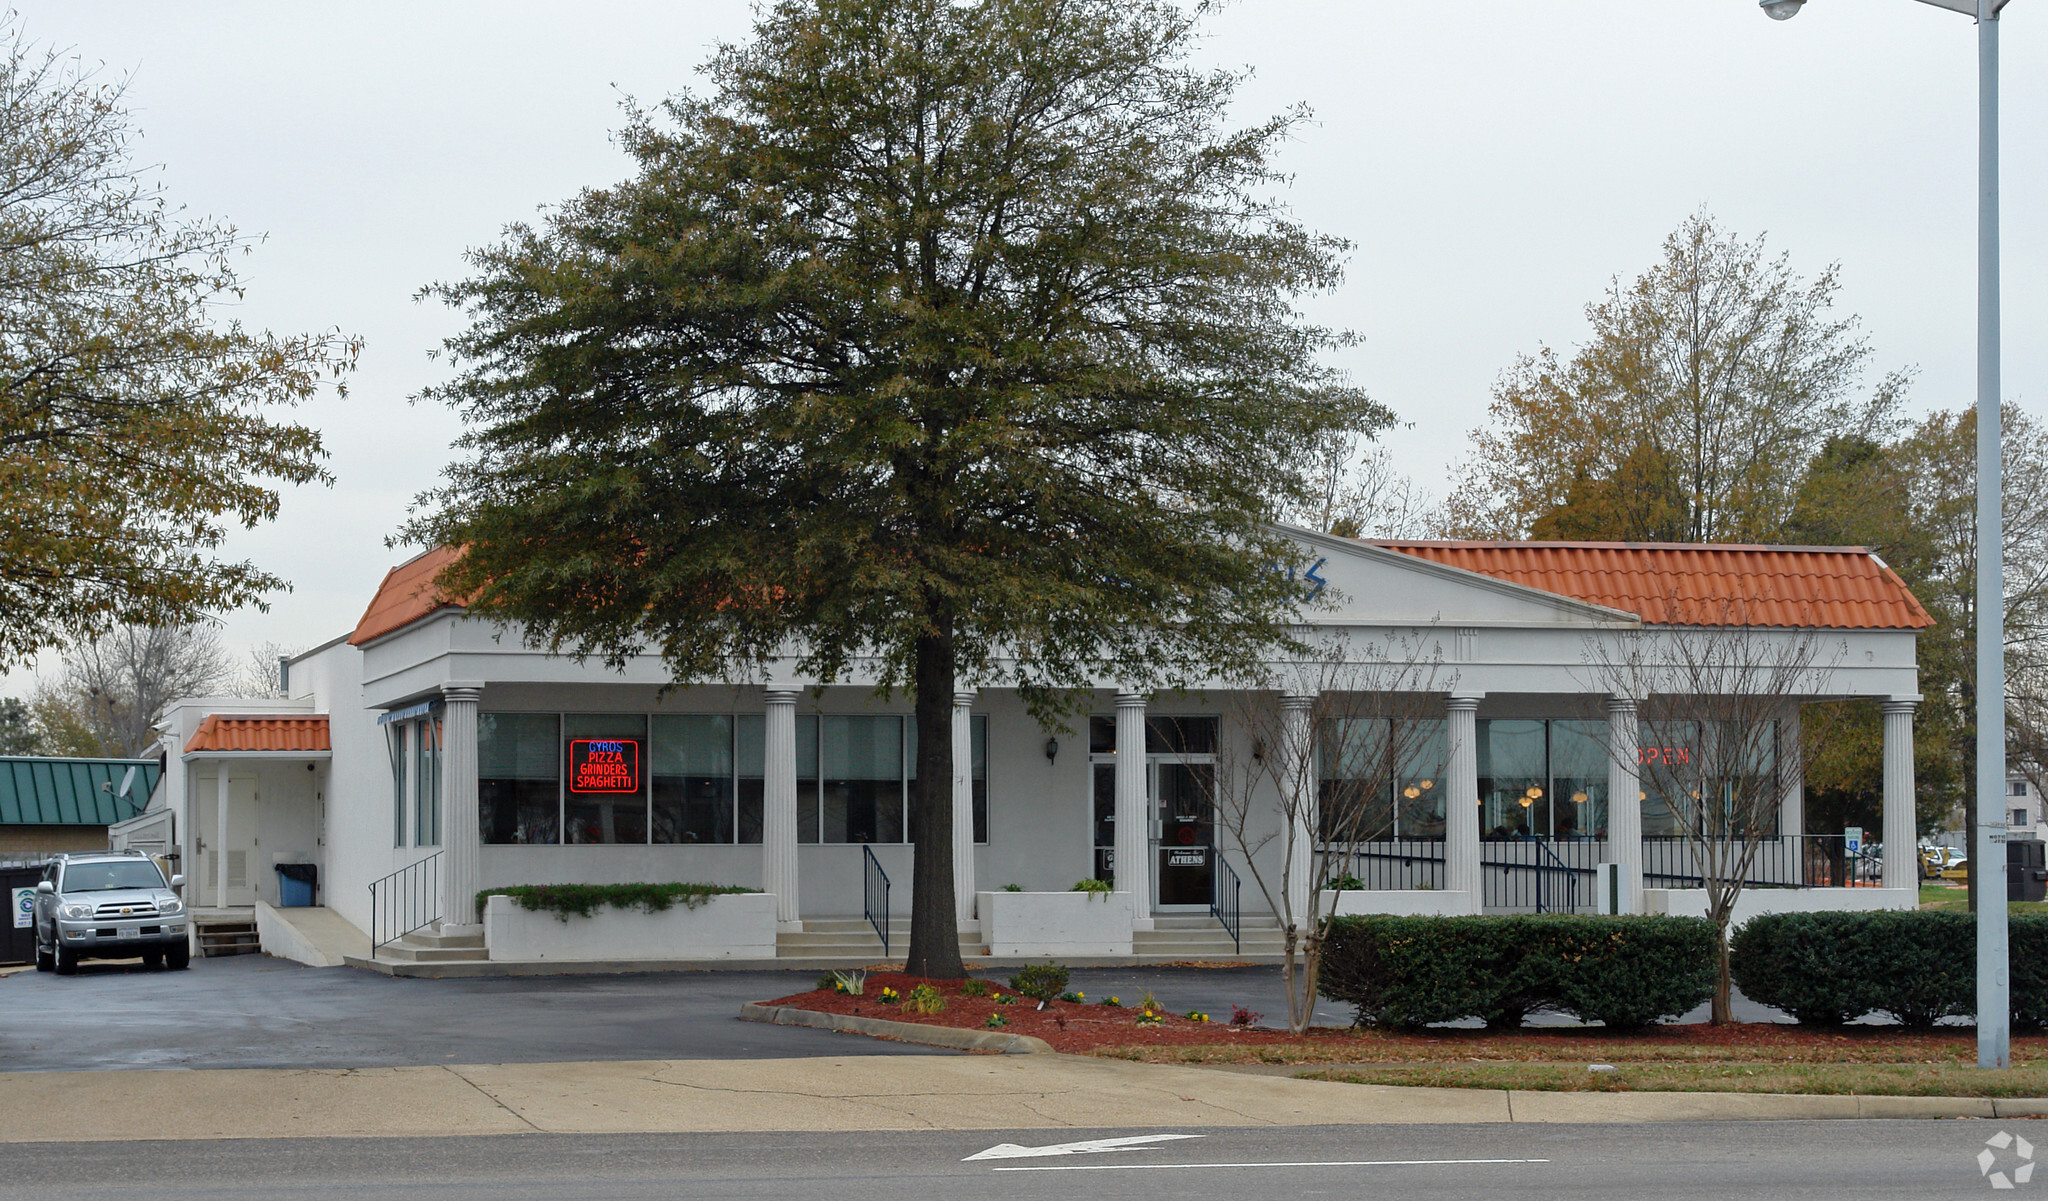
1956	898
1745	1057
1838	1079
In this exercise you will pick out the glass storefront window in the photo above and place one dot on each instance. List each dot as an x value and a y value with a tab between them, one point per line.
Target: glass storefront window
1578	779
1669	760
426	779
750	754
1423	751
690	765
1180	735
978	740
519	777
1514	780
1356	775
395	734
606	797
862	798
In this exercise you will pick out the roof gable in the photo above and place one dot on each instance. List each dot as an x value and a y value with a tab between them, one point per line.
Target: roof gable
1795	587
1363	582
407	594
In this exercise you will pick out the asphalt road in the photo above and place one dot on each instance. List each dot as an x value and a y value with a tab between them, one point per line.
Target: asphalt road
252	1011
1870	1161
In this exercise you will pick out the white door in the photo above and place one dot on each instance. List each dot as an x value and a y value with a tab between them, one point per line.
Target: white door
237	855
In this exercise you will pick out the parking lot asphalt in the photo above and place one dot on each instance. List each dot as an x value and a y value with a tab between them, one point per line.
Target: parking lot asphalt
253	1011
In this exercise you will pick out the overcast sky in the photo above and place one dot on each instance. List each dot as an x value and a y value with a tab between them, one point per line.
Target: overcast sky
1495	162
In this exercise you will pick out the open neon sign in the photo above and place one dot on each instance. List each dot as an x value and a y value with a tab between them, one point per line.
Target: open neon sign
604	765
1664	756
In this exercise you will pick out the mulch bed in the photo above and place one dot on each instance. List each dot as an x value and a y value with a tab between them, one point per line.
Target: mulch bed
1091	1025
1067	1025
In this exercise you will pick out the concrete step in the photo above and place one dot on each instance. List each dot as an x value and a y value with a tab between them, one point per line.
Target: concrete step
219	937
434	938
412	953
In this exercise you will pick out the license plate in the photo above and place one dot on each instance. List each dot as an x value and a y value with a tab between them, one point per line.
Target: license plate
128	932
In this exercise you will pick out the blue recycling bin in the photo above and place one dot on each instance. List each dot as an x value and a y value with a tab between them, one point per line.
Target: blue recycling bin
295	883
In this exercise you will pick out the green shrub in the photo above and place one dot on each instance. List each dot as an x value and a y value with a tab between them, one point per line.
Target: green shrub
1407	972
1094	888
583	900
1915	967
1040	981
974	988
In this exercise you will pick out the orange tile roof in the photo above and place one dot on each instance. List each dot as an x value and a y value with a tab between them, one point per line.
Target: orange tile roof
1676	583
406	595
219	734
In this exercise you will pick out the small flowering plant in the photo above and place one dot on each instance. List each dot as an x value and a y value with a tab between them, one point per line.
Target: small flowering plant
1075	998
890	996
1197	1016
1113	1003
1151	1017
996	1021
1006	998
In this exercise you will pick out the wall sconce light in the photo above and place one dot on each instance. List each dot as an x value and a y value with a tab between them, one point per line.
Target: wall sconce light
1052	749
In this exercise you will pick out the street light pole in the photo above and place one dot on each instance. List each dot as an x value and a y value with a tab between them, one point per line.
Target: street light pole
1987	839
1994	985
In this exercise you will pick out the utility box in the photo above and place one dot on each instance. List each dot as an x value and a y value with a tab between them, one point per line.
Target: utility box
18	931
2026	871
296	883
1607	897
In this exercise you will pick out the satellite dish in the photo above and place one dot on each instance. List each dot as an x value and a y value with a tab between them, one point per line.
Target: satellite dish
127	781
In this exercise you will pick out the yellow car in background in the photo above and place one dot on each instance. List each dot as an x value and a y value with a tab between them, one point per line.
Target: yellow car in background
1943	863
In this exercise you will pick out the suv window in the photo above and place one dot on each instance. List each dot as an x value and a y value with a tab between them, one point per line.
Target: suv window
107	876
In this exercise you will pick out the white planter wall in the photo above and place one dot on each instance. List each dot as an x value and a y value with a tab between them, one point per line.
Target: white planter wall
1055	923
723	927
1410	902
1754	902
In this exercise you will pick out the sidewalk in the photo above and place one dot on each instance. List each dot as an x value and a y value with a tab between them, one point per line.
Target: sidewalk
910	1092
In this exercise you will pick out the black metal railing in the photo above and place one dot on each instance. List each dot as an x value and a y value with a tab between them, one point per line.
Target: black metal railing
1224	901
1790	861
1538	875
406	900
874	904
1392	864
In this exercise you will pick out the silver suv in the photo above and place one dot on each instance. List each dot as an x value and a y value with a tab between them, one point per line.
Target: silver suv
108	905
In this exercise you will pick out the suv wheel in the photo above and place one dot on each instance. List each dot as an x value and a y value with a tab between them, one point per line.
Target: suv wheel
178	957
44	959
67	963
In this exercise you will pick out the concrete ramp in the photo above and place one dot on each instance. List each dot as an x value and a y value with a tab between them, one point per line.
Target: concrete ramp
313	935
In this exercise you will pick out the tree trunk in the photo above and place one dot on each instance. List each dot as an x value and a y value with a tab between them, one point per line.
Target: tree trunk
934	925
1724	984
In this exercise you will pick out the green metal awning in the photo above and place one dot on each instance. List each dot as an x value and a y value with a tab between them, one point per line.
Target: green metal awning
73	792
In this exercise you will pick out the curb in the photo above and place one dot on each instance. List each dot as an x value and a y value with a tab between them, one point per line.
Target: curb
909	1032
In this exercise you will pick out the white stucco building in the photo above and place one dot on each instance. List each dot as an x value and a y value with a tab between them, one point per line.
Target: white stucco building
427	756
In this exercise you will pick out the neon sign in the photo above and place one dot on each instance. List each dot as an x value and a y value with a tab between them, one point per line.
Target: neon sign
604	765
1664	756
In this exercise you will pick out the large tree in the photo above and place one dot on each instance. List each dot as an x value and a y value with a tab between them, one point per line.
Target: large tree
951	342
135	425
1704	388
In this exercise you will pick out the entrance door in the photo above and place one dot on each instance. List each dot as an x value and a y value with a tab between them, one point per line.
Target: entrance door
1184	832
240	848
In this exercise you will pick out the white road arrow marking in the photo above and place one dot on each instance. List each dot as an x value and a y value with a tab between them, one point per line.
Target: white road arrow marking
1093	1146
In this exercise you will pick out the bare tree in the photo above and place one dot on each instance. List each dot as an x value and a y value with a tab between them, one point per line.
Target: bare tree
1359	707
258	673
1713	691
114	688
1358	492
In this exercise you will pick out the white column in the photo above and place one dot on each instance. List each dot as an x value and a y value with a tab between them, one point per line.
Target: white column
1791	776
461	839
778	805
1625	799
1298	749
1901	847
1461	801
1133	809
963	810
220	838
